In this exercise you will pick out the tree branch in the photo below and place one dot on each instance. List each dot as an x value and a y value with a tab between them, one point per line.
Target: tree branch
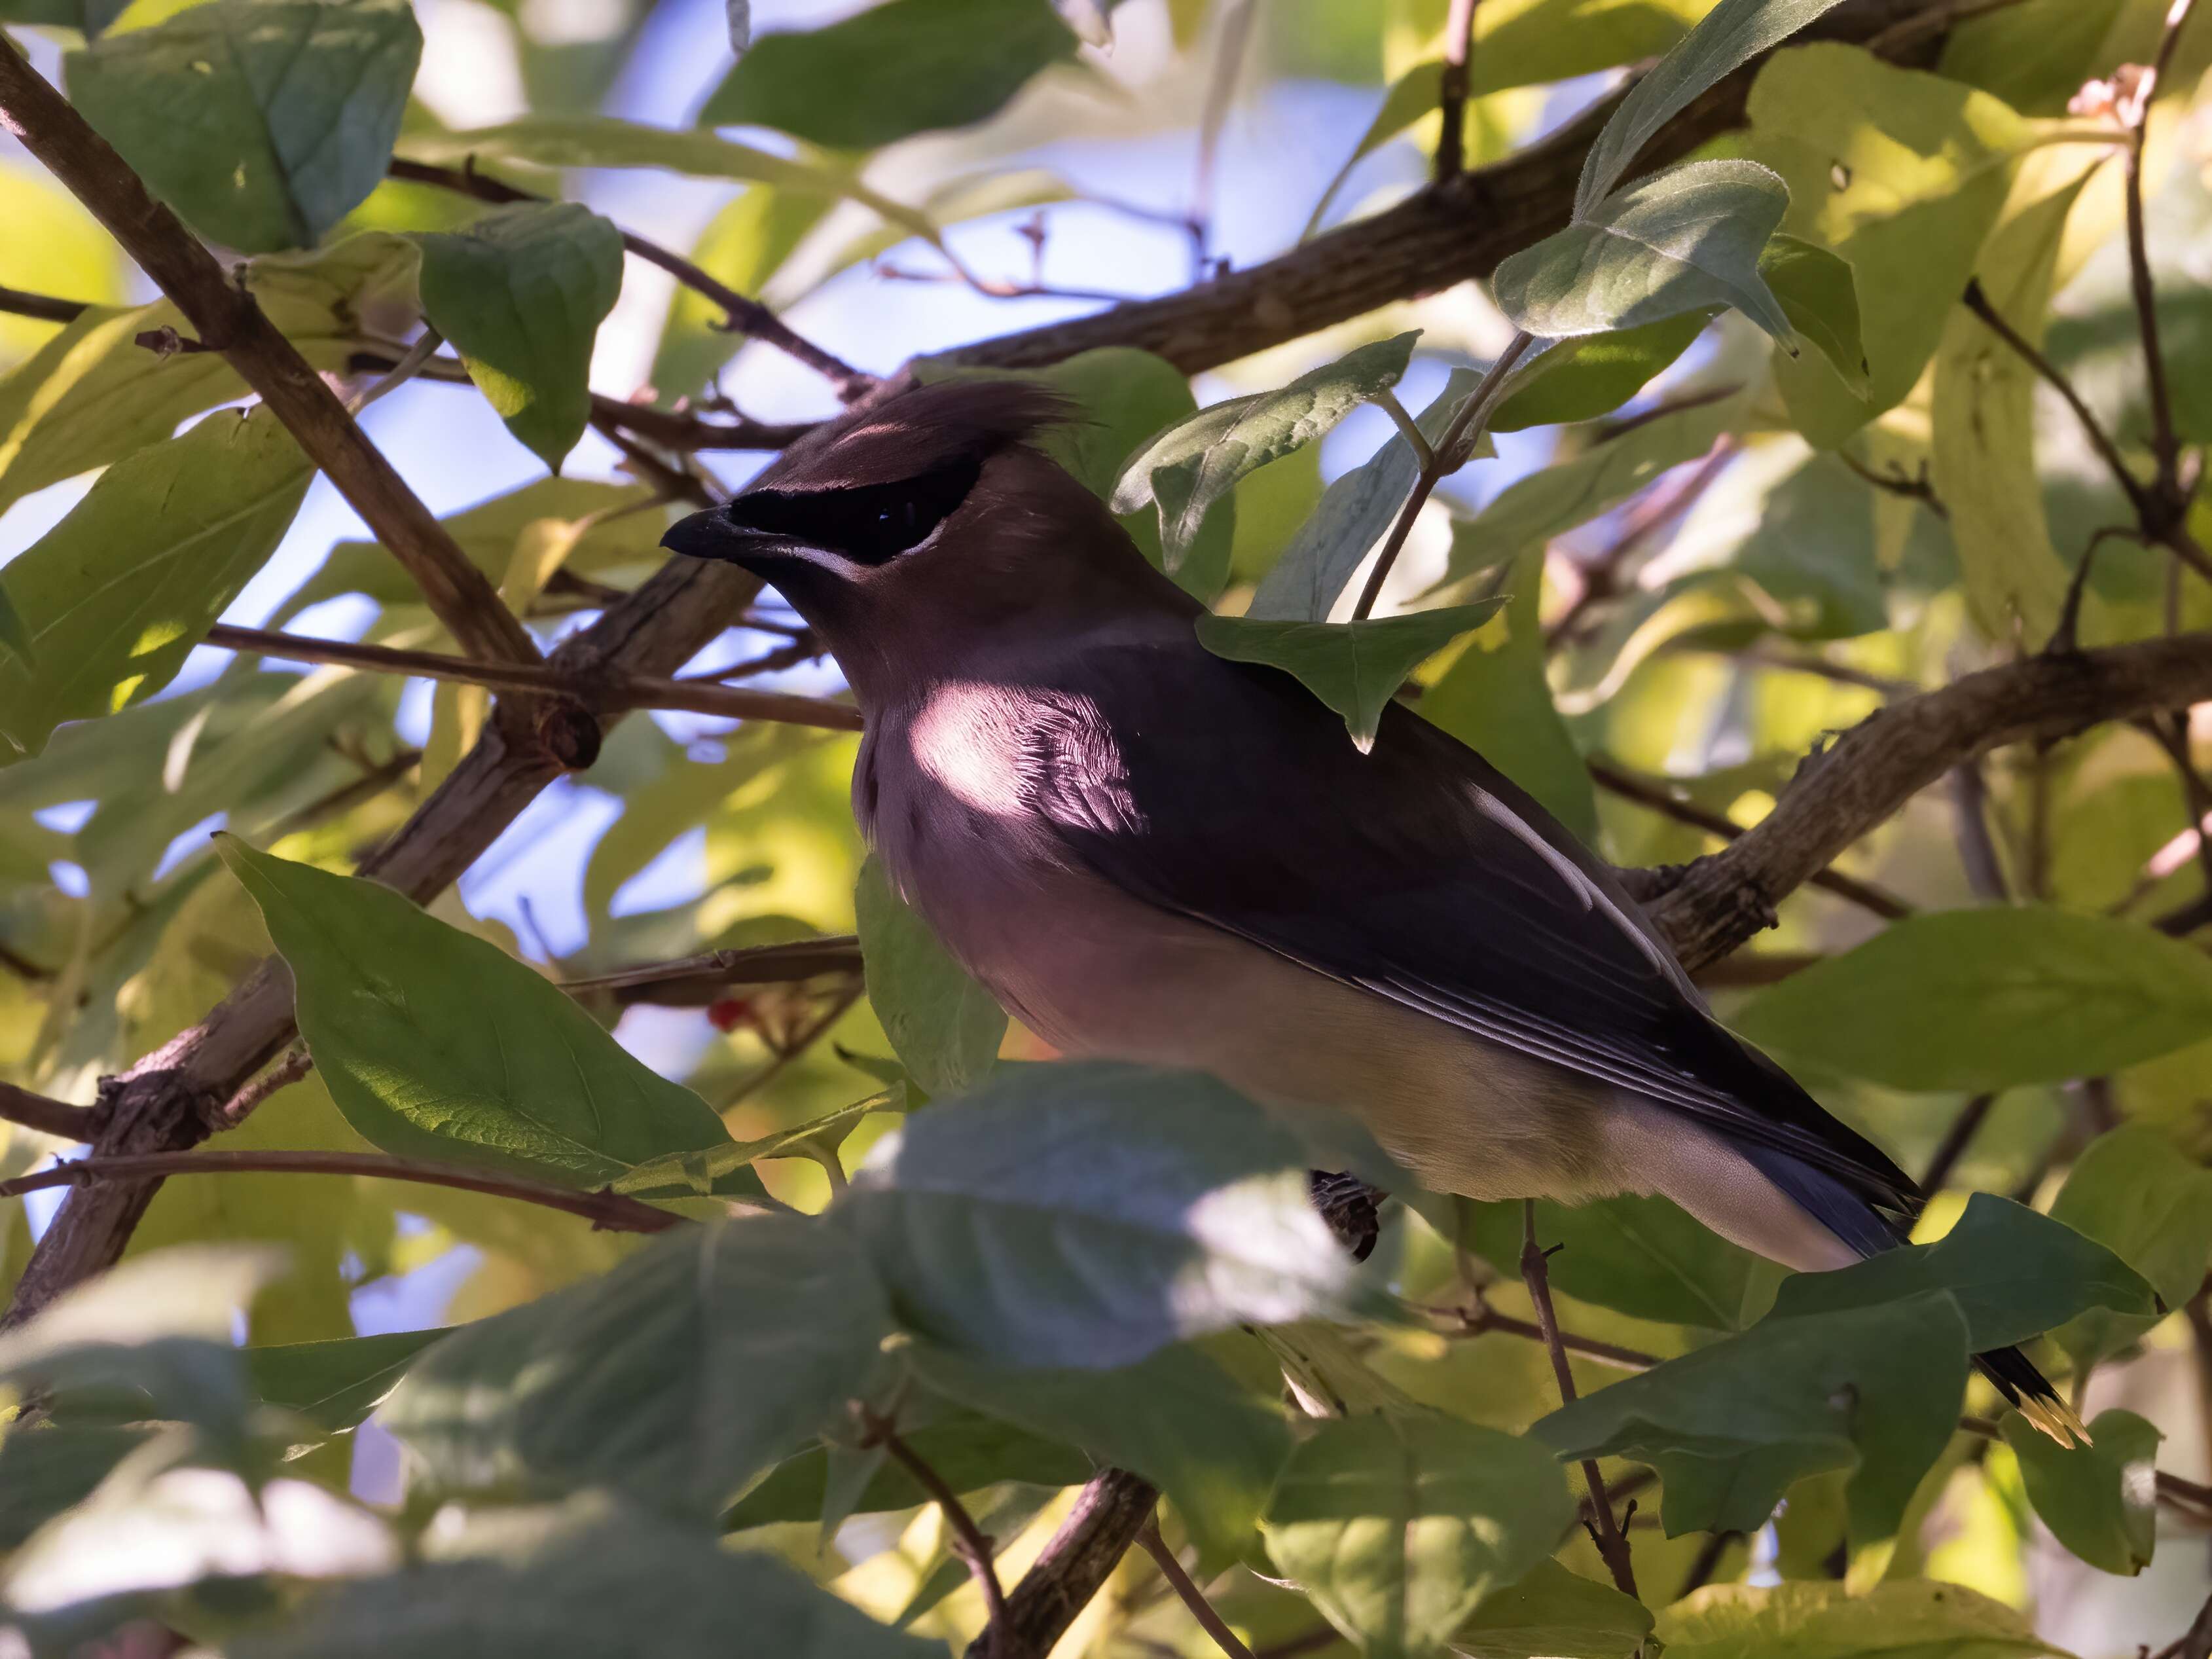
43	307
971	1544
1667	803
746	316
229	321
609	1211
691	981
48	1116
1868	773
2166	446
610	689
1108	1514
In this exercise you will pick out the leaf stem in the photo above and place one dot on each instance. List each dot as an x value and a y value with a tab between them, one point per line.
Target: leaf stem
1446	456
609	1211
1605	1532
1194	1598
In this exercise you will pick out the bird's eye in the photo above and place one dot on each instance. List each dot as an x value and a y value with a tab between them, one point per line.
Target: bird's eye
869	524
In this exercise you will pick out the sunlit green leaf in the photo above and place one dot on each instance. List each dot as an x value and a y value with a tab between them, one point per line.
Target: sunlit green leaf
1398	1525
1355	668
1582	379
439	1045
1990	998
1829	1621
1557	1614
1816	293
335	1384
903	67
114	598
1687	240
1185	470
263	122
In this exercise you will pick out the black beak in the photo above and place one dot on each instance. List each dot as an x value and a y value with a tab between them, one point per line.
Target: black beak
710	535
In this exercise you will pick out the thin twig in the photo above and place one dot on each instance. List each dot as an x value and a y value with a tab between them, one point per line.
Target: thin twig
1408	427
48	1116
746	316
1667	803
1194	1598
704	978
1956	1139
1481	1318
2195	1642
609	1211
283	1074
971	1544
1708	1561
1605	1531
43	307
1229	53
1449	454
1978	848
1920	488
1451	96
610	690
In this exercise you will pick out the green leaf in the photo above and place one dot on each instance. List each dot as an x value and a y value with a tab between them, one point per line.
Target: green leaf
1355	668
522	293
1583	379
1354	512
1816	293
439	1045
944	1028
1729	36
743	246
675	1379
1687	240
1731	1427
335	1384
966	1449
117	593
1641	1256
1990	998
1177	1419
48	1467
624	528
1531	510
694	1174
1922	1619
2136	1194
593	1580
904	67
1982	422
2100	1500
91	395
1902	174
1397	1525
1186	469
1495	699
2015	1274
15	633
263	122
1557	1614
1083	1214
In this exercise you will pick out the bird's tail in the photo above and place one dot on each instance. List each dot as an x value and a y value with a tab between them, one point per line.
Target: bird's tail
1851	1219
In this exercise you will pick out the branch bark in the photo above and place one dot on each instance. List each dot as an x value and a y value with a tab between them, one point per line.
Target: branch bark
1108	1514
47	1116
229	321
1867	775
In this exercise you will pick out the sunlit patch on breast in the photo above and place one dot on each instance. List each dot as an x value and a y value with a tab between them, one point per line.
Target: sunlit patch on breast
967	739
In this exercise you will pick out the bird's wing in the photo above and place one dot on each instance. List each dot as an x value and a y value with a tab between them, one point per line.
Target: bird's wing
1225	793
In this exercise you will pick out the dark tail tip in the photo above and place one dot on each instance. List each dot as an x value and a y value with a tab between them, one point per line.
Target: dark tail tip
2032	1394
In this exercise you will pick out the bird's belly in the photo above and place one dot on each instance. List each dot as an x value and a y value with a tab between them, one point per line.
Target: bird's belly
1097	974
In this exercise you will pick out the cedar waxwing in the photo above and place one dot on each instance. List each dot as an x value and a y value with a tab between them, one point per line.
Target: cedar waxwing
1148	853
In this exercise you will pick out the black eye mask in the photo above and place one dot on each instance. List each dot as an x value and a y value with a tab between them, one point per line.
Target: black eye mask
868	524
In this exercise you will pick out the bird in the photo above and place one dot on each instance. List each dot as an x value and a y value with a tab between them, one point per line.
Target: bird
1148	853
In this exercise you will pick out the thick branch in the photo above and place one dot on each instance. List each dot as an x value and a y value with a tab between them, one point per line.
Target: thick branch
1108	1514
229	321
746	316
611	1212
1436	238
1869	773
611	689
